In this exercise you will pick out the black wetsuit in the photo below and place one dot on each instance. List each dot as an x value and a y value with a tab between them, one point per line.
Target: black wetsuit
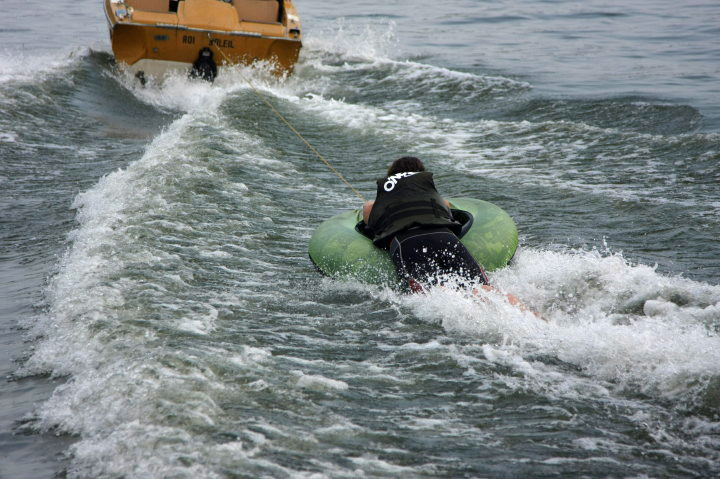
431	256
410	219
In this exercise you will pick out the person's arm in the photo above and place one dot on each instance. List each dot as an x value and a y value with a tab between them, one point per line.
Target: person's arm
367	208
512	300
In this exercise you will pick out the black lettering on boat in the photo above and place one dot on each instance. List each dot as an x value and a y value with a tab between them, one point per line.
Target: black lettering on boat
188	39
221	43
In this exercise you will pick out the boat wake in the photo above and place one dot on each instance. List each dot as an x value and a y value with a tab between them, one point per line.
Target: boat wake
193	329
634	330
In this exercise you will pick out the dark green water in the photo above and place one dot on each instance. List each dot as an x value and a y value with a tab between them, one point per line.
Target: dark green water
160	316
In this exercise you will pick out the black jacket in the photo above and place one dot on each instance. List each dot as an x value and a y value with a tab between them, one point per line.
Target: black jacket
404	201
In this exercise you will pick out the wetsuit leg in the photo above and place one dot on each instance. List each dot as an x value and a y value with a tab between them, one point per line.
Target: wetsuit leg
429	255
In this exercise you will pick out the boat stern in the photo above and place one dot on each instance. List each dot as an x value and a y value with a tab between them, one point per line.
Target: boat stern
158	36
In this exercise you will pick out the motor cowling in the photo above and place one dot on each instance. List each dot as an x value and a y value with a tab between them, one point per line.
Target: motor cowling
204	67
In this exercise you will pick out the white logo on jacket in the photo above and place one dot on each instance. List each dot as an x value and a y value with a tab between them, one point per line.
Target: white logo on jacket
392	180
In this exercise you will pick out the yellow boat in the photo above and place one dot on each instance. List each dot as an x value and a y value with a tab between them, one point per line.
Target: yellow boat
156	37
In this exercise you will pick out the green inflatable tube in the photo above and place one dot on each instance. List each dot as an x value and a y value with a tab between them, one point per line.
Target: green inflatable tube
339	251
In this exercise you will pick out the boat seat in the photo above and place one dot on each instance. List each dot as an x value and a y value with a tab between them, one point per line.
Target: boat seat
149	5
260	11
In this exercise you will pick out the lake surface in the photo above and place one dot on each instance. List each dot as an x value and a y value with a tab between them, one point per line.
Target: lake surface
160	317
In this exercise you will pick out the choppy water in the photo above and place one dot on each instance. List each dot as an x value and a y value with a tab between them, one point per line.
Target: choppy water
160	317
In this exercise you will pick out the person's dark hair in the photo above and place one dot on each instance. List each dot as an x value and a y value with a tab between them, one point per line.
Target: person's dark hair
405	164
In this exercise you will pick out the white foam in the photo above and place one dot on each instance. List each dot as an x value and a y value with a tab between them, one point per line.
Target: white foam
368	50
88	295
157	451
199	323
372	465
614	320
250	356
16	66
351	42
317	382
341	429
178	92
8	137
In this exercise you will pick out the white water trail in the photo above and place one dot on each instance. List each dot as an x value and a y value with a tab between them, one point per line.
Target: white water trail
624	325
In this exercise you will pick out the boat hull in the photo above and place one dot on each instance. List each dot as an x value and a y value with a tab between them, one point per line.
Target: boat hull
157	43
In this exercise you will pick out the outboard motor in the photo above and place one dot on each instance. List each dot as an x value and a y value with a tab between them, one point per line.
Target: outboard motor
204	67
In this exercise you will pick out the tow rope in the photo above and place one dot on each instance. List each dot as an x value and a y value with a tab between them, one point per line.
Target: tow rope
289	125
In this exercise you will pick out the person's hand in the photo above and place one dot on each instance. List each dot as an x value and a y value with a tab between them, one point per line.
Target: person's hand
367	208
512	299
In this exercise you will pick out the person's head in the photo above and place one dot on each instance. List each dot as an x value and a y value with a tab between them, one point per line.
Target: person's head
405	164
